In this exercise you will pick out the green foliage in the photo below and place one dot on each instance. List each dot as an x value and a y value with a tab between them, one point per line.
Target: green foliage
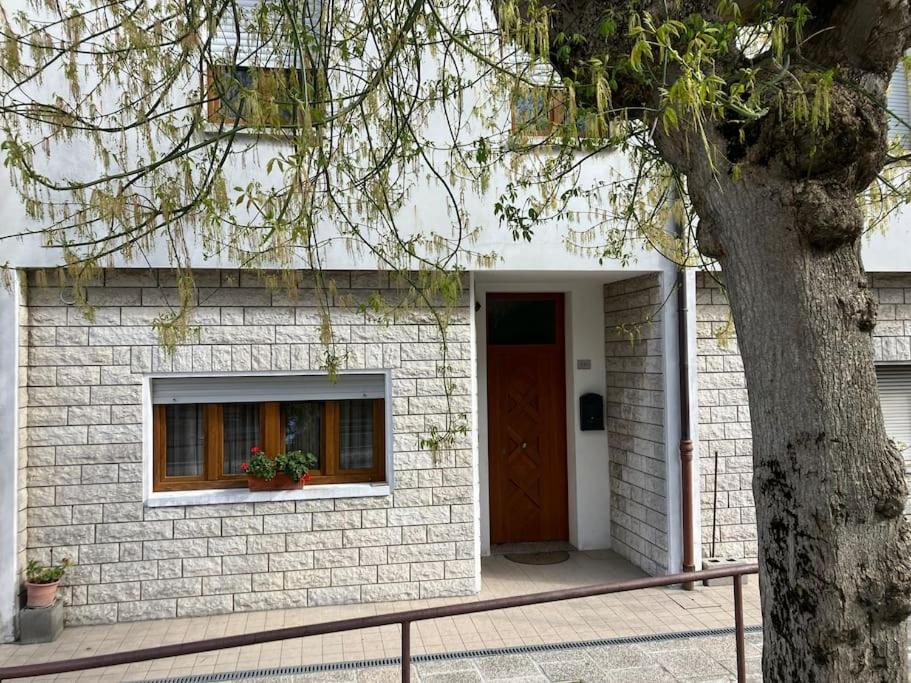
36	572
295	463
260	465
272	137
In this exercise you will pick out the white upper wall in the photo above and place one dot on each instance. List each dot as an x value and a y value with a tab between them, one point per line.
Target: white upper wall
430	208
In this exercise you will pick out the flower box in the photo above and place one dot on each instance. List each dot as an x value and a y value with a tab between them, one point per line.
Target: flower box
283	472
281	482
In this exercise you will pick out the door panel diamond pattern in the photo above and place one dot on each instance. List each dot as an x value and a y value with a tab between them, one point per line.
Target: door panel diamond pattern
527	447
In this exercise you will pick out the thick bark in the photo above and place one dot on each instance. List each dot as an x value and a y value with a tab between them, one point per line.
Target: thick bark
834	547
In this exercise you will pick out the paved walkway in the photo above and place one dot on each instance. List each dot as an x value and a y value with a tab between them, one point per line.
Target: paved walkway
651	611
702	660
686	659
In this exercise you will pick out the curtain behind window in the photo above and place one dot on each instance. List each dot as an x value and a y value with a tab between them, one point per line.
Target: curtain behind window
185	435
356	435
241	425
302	422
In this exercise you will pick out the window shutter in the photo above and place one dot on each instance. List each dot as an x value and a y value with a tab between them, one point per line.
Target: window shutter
895	398
238	40
898	104
262	388
233	33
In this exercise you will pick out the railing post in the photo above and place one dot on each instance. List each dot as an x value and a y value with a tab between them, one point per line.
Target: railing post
406	652
738	629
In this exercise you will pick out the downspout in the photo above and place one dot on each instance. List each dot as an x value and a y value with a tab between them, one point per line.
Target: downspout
686	441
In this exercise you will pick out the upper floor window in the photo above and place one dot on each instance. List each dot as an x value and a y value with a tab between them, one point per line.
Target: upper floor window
542	112
204	428
538	111
261	71
261	96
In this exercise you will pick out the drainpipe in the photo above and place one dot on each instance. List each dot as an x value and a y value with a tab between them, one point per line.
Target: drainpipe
686	441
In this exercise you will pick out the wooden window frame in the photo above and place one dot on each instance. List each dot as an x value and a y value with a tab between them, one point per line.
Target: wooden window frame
556	111
213	475
556	117
214	109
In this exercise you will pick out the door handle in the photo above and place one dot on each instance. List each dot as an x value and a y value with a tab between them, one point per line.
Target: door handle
524	445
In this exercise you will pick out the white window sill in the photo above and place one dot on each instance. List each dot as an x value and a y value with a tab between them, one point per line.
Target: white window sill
225	496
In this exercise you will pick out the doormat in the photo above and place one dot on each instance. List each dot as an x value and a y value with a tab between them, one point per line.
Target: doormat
551	557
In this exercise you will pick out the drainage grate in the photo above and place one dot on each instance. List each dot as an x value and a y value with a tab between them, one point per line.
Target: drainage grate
445	656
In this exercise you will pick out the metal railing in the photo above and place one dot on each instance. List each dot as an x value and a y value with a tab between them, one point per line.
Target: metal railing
405	619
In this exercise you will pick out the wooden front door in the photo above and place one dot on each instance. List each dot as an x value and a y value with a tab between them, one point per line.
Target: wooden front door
526	397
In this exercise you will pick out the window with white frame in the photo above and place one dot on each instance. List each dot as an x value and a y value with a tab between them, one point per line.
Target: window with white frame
895	397
203	428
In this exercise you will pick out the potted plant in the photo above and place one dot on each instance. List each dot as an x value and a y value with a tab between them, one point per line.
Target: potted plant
42	581
285	471
296	465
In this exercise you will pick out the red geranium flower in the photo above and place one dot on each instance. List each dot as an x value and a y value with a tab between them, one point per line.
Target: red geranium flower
255	449
305	478
244	466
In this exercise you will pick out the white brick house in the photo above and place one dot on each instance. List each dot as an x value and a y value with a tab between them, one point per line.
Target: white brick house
125	458
82	424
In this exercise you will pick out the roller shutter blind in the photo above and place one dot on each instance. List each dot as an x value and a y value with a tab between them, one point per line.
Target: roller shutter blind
246	36
263	388
899	106
895	398
233	41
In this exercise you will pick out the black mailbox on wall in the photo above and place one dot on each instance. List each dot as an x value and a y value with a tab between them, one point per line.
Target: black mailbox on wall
591	412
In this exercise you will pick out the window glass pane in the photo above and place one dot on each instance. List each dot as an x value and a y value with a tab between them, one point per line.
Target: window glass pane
242	90
241	428
185	431
355	435
231	86
532	113
521	321
302	424
590	126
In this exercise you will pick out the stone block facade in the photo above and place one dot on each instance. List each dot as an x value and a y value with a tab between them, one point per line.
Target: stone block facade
635	421
85	453
22	422
724	415
724	428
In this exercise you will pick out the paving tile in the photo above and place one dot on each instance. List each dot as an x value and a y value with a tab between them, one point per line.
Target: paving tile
444	666
689	663
616	657
453	677
581	671
643	674
506	667
382	674
570	654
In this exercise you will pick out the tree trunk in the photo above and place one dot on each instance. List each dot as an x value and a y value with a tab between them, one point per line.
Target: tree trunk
834	547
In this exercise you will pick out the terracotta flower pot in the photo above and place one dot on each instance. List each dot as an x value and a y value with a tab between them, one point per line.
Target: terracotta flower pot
281	482
40	594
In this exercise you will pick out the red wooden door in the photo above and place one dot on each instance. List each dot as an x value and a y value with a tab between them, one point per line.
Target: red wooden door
526	396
